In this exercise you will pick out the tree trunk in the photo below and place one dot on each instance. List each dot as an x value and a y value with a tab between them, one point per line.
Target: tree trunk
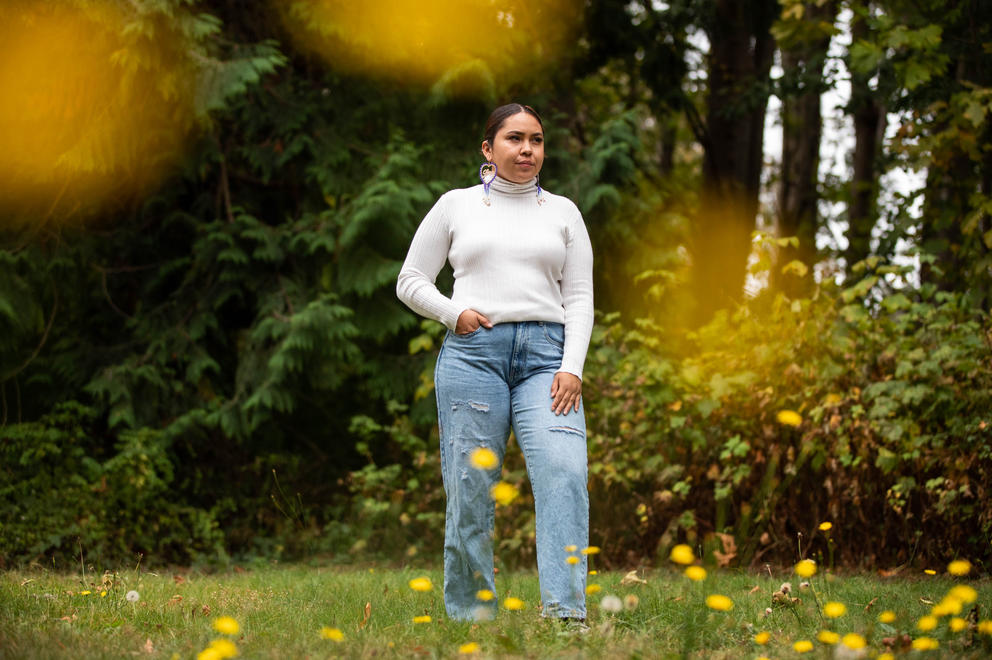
869	117
741	49
802	127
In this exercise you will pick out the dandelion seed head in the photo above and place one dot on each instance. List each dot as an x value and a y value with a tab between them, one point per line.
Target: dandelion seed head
132	596
610	604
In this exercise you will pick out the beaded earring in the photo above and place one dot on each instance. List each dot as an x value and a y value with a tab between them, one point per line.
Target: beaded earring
487	173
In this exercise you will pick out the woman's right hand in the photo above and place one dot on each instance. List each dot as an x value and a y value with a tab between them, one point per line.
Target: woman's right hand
469	321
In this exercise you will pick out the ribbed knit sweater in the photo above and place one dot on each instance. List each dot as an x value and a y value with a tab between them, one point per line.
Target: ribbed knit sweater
513	260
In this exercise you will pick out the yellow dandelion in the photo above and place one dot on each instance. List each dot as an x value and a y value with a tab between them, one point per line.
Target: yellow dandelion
806	568
573	560
826	526
719	603
484	595
593	572
853	641
964	593
333	634
789	418
828	637
929	571
593	589
483	459
423	618
885	656
959	567
833	609
803	646
571	548
512	603
86	592
421	584
762	637
832	399
985	627
209	653
469	649
957	624
695	573
641	509
947	606
226	625
103	594
503	493
225	648
927	623
682	554
591	550
888	616
925	643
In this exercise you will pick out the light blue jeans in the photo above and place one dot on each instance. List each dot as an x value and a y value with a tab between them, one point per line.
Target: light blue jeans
487	382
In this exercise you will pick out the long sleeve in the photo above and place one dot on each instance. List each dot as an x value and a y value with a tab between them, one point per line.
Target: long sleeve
415	285
577	296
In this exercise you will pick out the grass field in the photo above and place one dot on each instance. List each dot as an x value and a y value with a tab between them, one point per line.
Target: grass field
302	612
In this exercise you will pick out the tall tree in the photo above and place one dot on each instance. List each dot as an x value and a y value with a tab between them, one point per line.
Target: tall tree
803	35
740	58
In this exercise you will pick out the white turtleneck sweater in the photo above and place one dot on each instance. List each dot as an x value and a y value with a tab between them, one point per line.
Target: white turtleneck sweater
513	260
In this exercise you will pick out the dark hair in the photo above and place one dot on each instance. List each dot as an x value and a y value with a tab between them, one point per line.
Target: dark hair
500	115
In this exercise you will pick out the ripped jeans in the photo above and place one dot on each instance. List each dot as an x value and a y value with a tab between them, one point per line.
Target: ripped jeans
487	382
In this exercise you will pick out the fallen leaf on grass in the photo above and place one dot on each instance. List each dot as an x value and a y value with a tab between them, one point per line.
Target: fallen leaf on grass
755	589
631	578
148	647
368	613
870	603
729	553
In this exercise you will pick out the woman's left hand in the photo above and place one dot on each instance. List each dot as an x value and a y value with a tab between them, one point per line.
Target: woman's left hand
566	390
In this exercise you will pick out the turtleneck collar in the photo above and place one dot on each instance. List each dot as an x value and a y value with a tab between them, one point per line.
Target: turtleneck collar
510	188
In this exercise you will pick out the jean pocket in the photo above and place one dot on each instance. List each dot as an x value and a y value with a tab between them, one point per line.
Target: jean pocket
467	334
555	334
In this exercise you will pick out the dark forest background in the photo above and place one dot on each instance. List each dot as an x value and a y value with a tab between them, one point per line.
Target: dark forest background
202	357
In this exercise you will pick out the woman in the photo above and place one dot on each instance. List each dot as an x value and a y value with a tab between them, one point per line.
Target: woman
519	322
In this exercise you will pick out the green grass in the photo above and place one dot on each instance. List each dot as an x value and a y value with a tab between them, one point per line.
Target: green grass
281	611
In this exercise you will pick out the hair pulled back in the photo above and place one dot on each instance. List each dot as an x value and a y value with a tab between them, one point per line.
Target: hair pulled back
500	115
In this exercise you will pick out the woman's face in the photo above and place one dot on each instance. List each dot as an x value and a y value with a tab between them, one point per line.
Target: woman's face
517	149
